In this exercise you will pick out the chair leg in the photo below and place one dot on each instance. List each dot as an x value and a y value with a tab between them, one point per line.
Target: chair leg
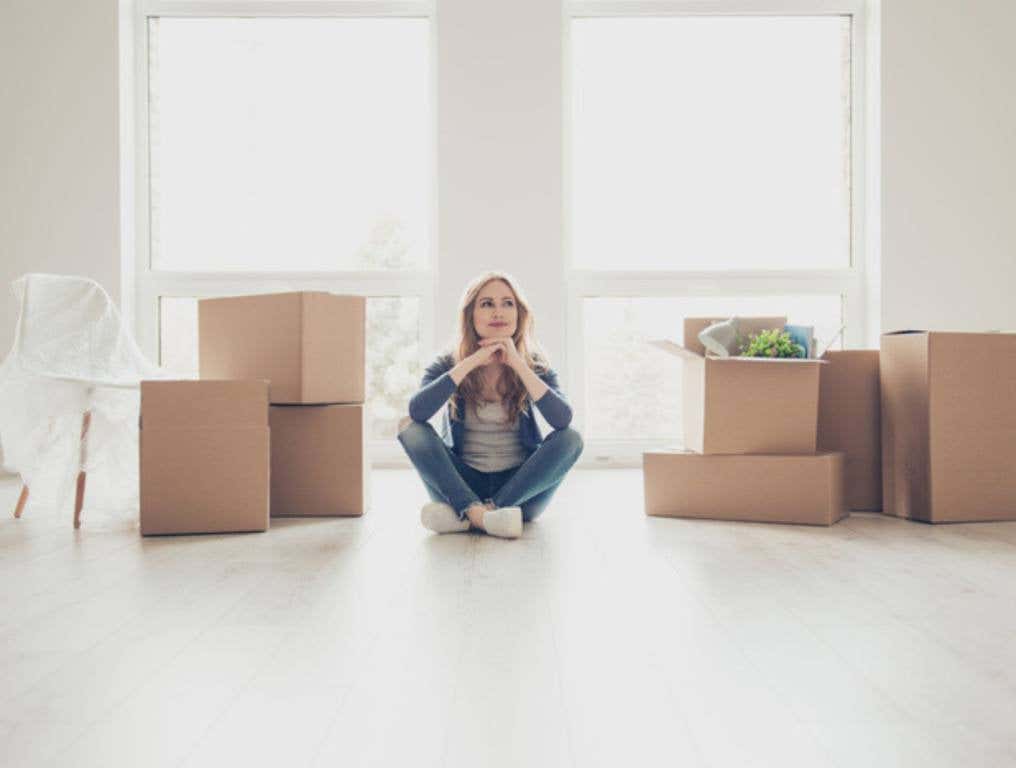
79	491
79	499
22	500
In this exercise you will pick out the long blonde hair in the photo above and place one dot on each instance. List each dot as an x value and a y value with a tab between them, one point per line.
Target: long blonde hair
509	386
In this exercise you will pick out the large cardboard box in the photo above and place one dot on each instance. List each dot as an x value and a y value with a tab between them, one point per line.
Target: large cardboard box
806	490
746	405
849	420
204	456
319	460
309	345
949	426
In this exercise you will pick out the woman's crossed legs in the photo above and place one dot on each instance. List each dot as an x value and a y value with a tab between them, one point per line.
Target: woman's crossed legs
530	486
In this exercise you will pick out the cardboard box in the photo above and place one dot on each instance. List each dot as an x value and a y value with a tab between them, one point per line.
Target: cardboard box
204	456
849	420
309	345
806	490
319	460
949	426
746	405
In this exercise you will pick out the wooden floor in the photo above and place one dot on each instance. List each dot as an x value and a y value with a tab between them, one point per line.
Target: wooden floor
601	638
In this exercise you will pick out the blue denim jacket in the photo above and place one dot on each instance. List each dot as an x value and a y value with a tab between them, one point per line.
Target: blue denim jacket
437	387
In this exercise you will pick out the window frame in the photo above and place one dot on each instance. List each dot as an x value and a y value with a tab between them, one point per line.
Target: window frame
145	285
851	282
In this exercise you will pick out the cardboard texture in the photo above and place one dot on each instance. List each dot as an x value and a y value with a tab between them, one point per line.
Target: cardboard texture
949	426
204	457
319	461
310	345
849	420
805	490
739	405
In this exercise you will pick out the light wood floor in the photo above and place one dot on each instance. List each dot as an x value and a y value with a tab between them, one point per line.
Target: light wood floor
601	638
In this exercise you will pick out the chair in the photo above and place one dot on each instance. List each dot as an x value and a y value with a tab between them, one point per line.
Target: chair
69	389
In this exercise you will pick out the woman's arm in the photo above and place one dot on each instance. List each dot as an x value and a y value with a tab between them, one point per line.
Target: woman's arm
552	404
435	389
440	381
543	389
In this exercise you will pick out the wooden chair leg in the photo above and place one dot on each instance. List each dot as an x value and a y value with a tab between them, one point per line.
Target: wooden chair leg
22	500
79	499
79	491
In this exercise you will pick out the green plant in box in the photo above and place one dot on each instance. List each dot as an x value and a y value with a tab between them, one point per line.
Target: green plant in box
774	343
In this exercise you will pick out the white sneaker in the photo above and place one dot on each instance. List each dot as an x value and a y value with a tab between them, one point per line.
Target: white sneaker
505	522
441	518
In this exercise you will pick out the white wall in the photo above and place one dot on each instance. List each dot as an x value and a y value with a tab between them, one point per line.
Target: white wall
948	164
59	185
499	150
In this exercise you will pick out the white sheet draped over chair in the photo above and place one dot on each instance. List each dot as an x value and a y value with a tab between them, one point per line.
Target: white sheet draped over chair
69	395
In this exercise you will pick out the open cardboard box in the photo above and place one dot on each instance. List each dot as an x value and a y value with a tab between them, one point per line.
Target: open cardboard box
746	405
806	490
949	426
310	344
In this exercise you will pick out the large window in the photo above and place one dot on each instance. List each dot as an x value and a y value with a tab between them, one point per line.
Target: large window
712	159
288	152
692	157
288	143
711	142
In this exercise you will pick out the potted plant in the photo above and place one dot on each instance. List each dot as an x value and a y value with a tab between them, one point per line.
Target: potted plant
774	343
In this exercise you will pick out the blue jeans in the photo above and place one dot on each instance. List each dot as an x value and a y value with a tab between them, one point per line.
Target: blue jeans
530	485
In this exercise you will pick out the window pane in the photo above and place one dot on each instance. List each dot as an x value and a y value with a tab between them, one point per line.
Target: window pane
289	143
633	390
178	335
393	353
393	361
711	143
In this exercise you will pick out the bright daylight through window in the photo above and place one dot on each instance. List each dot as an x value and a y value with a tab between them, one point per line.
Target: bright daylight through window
719	145
298	145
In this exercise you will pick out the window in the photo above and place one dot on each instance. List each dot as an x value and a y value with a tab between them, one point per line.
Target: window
309	137
712	158
288	152
711	142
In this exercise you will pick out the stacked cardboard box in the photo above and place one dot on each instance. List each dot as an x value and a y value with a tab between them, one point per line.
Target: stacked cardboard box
204	456
750	437
948	426
311	347
849	420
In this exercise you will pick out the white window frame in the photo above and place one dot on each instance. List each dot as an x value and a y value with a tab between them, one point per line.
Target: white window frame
141	305
852	282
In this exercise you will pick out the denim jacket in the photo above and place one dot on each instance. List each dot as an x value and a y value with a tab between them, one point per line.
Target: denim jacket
437	388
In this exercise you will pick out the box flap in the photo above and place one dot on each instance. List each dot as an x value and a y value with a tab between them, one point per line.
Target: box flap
203	404
693	326
901	333
674	348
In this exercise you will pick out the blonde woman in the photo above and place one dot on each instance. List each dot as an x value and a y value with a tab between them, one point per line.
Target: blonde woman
490	468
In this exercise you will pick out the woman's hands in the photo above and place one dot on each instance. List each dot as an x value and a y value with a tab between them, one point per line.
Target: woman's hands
502	350
481	357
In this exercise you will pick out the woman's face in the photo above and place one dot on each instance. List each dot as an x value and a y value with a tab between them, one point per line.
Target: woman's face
495	313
